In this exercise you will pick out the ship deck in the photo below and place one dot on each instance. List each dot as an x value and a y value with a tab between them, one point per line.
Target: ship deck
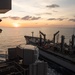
61	60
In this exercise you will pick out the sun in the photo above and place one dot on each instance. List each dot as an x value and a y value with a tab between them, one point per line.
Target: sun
16	25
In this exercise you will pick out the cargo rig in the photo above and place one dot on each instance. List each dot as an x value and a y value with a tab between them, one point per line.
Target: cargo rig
60	56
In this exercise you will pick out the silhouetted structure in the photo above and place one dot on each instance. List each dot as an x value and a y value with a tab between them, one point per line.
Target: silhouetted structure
0	20
0	30
60	54
5	5
38	68
23	60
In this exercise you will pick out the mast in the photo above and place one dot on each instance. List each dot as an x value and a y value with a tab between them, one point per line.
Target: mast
55	36
44	36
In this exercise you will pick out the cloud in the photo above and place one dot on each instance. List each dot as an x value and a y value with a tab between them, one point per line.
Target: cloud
15	18
52	6
51	19
35	18
73	20
55	11
30	18
60	19
23	18
48	13
4	17
44	13
26	18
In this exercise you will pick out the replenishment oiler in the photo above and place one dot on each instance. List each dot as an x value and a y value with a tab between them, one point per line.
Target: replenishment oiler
60	56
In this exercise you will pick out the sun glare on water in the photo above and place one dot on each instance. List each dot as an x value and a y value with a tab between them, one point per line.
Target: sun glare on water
16	25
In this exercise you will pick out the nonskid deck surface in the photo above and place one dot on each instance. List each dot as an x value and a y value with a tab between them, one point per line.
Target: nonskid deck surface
59	55
59	61
62	60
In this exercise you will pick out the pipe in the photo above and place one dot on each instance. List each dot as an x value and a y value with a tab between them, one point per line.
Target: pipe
62	42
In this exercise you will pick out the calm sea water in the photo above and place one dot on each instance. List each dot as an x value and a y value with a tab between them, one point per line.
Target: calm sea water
11	37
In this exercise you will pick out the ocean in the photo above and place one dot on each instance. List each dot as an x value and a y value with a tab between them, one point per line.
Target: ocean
12	37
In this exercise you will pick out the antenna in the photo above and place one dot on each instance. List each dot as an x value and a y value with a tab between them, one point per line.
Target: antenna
73	30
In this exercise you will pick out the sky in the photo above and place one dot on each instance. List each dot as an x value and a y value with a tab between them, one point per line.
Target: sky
40	13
